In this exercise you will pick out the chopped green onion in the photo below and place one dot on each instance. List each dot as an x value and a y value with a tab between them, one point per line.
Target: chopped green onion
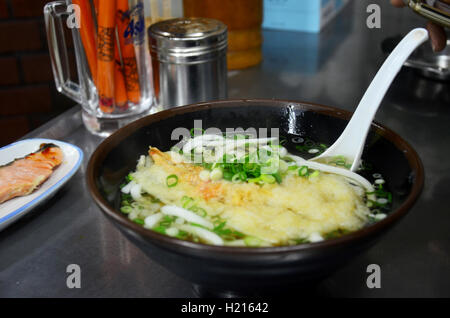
182	234
303	171
226	234
336	233
172	231
160	229
277	177
167	221
267	178
204	175
201	212
217	174
220	226
199	225
310	146
300	240
139	221
172	180
252	241
288	159
283	166
227	175
297	140
254	180
249	167
198	210
238	234
236	178
126	209
243	176
314	174
196	129
186	202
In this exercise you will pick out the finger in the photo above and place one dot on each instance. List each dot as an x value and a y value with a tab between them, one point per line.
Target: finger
398	3
437	36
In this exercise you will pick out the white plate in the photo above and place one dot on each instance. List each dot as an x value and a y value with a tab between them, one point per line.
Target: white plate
12	210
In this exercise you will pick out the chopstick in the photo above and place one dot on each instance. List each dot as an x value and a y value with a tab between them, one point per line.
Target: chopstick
119	82
110	54
87	35
105	54
128	52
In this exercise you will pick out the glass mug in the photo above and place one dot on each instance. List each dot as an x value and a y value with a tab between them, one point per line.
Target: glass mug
112	63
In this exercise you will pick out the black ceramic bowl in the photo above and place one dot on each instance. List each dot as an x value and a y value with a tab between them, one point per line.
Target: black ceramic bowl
245	269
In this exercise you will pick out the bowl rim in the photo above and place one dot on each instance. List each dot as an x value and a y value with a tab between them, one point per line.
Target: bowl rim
109	143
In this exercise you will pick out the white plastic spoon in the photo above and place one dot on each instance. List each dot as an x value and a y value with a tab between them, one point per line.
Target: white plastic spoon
350	143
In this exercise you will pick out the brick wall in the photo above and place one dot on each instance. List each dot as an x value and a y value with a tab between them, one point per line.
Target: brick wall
28	97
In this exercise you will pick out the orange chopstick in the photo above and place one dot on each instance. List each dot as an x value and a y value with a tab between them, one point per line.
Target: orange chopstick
95	3
128	53
87	32
105	54
96	6
119	83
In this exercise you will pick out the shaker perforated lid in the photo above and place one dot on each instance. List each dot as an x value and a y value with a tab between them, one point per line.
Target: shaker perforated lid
187	37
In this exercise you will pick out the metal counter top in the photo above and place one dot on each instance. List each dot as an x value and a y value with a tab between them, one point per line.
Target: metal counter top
332	68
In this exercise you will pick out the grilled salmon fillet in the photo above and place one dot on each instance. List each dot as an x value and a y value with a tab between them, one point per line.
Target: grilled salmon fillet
22	176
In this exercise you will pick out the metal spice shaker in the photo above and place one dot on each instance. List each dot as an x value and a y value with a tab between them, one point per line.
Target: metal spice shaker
188	61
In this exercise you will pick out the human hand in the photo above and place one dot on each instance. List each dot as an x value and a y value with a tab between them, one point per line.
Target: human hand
437	33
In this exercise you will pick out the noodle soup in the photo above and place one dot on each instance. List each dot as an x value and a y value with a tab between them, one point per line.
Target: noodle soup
245	191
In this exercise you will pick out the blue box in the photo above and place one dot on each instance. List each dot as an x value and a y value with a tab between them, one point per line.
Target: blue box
294	15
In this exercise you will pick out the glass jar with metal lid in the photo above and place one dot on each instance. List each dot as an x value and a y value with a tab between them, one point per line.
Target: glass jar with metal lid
188	60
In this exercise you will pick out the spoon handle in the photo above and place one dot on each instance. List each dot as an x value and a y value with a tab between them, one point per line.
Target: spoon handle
351	142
